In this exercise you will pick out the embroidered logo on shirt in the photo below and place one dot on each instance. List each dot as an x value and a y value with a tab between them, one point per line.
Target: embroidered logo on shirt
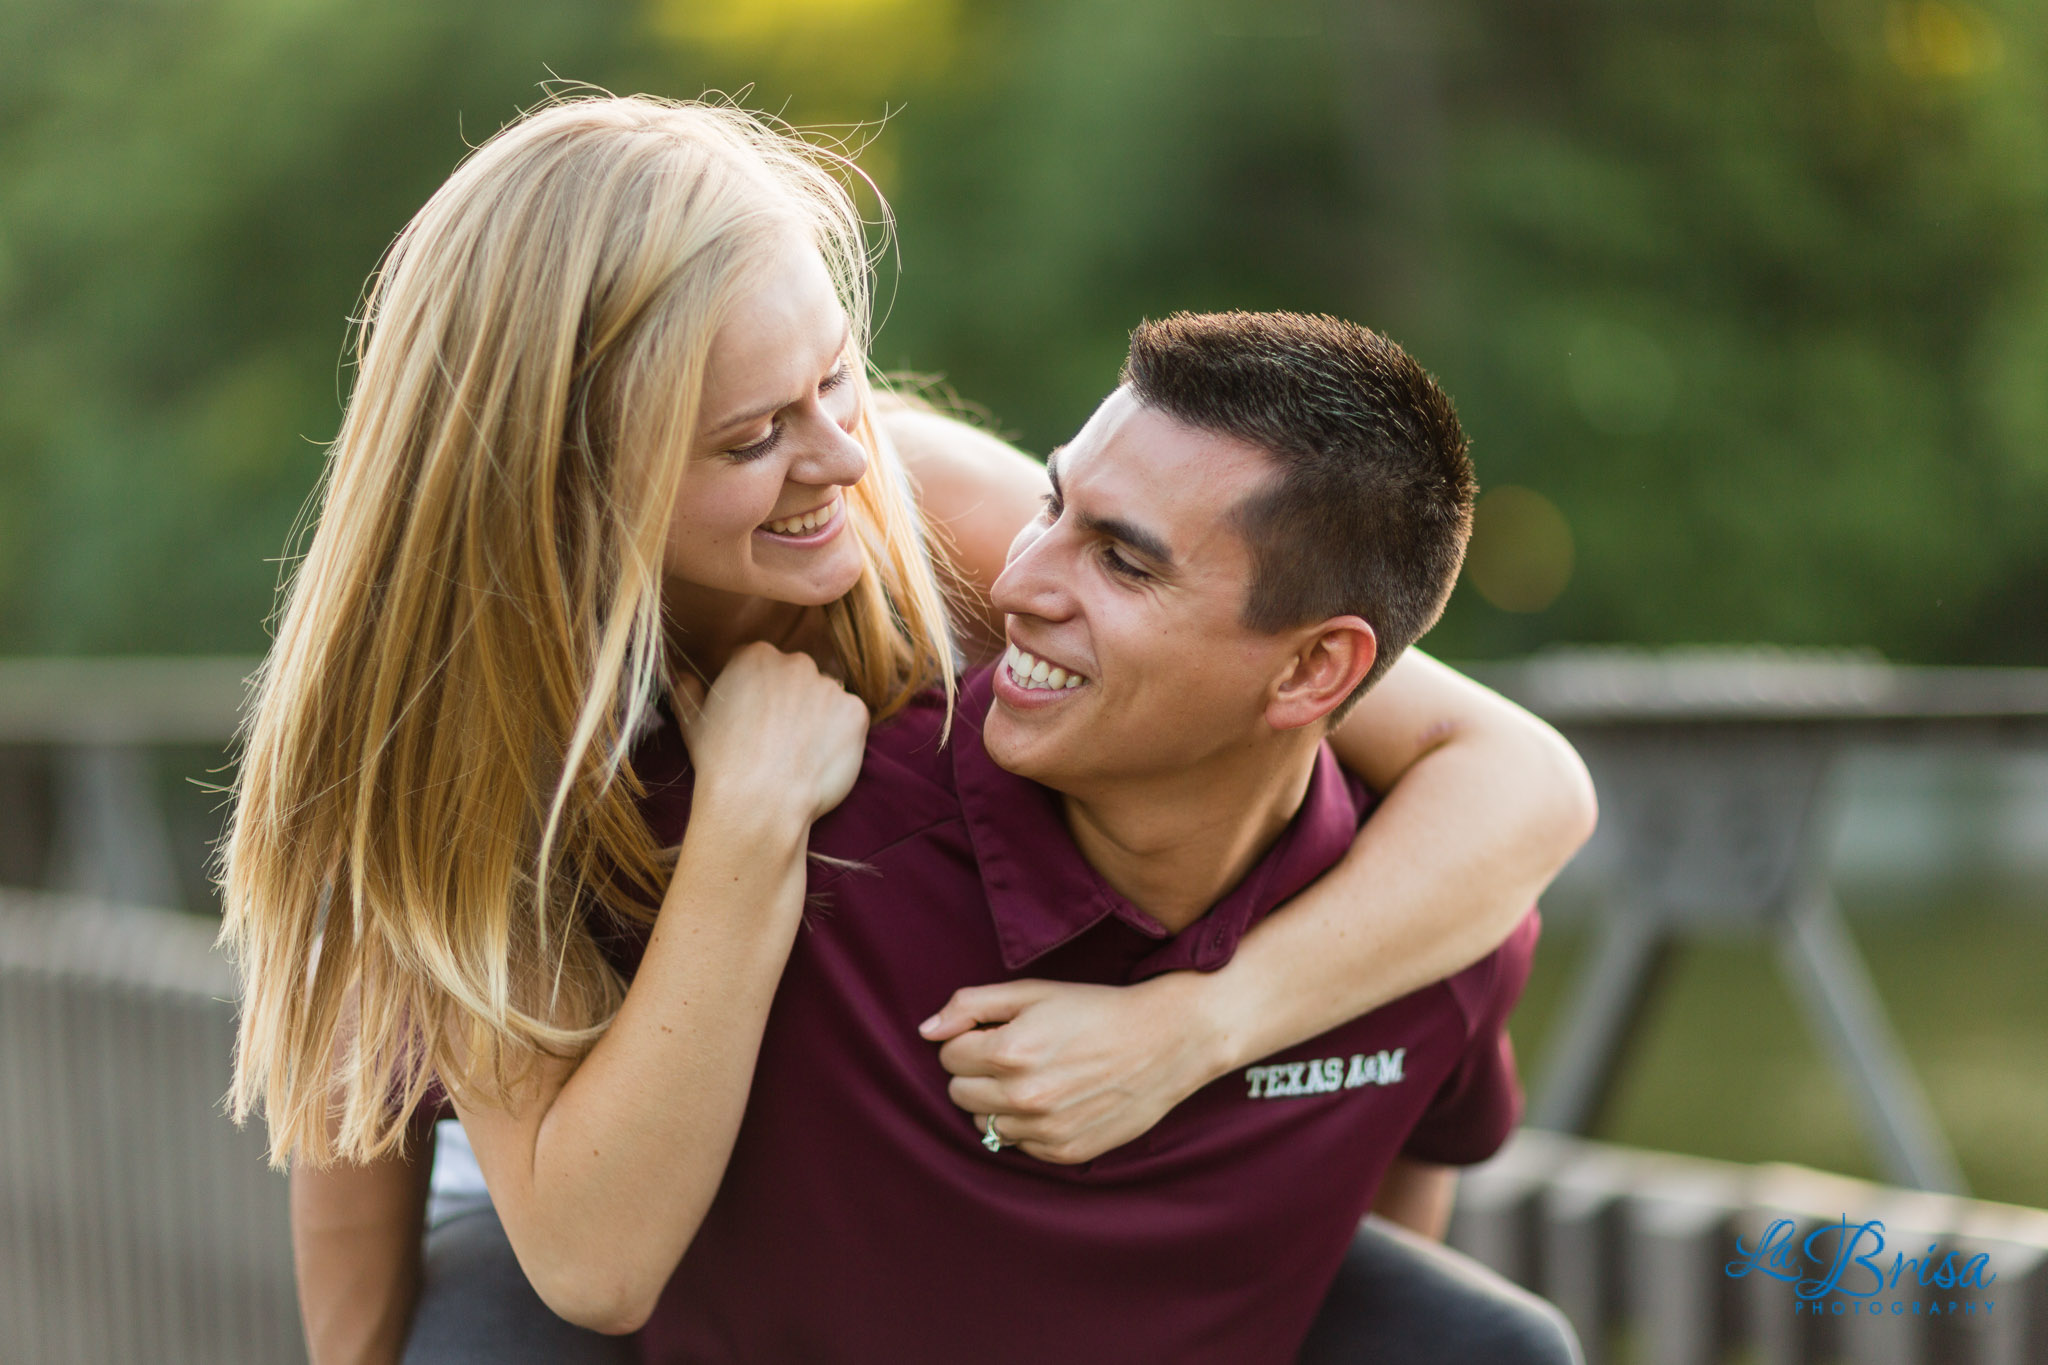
1283	1079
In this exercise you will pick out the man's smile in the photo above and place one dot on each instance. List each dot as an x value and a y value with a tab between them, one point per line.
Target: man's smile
1030	671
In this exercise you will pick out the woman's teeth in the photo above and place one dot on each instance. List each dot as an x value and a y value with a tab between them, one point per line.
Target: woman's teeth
809	521
1036	674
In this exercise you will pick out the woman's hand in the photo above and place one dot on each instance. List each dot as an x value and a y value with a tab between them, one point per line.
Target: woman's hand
772	731
1072	1071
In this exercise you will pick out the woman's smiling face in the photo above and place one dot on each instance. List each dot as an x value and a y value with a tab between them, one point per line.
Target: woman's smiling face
761	511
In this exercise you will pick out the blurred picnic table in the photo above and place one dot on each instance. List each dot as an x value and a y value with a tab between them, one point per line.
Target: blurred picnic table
1712	766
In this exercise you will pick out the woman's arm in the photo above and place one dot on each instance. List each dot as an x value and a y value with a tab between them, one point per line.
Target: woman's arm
1484	804
602	1169
1418	1195
659	1099
356	1254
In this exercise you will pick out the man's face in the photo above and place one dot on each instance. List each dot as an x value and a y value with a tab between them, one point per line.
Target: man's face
1135	579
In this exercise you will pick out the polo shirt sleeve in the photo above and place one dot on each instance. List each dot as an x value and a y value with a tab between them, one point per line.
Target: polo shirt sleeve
1480	1102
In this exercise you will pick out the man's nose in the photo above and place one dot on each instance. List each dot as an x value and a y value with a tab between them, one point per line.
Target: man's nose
1034	582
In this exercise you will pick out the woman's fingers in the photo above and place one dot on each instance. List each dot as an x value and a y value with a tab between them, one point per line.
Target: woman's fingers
986	1095
973	1006
1090	1067
772	728
1057	1137
1030	1137
980	1095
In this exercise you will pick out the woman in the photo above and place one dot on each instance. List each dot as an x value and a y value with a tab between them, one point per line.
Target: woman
613	429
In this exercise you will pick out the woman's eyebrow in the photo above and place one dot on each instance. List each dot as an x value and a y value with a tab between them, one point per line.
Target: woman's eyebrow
751	415
756	414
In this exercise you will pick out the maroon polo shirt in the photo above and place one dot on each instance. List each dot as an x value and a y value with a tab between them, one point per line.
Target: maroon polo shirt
861	1220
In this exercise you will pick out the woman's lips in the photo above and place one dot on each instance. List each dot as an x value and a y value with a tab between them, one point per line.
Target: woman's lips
805	529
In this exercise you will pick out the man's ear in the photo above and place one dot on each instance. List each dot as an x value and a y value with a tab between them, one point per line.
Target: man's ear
1332	660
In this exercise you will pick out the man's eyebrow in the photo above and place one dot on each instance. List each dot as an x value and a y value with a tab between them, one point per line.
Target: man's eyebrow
1113	528
756	414
1137	537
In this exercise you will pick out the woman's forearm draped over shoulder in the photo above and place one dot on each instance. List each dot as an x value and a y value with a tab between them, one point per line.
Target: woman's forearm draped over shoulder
1483	804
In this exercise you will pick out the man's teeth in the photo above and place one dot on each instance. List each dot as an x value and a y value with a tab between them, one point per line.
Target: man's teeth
809	521
1029	671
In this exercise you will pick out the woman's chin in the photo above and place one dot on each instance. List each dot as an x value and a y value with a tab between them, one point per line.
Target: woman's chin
817	589
823	577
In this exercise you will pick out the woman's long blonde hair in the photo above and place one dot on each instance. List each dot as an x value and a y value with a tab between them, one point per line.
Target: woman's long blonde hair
434	788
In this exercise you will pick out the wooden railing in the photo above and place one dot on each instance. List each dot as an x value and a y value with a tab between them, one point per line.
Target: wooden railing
1672	1260
136	1223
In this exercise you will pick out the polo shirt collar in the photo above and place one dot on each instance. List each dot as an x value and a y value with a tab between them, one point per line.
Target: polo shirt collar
1042	893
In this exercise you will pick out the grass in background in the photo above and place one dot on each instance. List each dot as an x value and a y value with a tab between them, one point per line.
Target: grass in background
1725	1065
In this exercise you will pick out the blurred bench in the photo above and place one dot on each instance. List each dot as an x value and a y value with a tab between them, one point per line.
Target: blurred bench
1636	1247
136	1223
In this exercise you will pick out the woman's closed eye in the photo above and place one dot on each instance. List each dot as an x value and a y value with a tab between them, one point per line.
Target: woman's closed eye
756	449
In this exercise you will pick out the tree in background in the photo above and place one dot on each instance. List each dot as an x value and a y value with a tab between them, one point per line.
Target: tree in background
1745	304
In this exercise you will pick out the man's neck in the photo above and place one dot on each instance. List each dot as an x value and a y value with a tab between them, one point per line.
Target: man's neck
1175	845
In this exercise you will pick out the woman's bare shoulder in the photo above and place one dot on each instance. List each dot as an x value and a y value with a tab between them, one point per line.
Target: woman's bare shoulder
957	465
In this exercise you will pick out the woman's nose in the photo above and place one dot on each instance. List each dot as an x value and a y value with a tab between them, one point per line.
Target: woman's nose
830	455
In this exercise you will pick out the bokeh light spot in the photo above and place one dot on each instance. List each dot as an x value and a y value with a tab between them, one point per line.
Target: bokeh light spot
1521	554
1931	39
883	41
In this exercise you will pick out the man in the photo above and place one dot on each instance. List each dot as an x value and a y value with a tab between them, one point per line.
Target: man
1240	541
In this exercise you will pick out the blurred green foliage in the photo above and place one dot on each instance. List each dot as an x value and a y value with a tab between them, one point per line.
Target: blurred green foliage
1754	294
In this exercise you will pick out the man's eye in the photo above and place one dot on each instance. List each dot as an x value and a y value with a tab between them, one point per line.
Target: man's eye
1122	567
1049	504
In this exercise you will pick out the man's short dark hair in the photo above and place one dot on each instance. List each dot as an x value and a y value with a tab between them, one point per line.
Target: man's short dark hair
1373	503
